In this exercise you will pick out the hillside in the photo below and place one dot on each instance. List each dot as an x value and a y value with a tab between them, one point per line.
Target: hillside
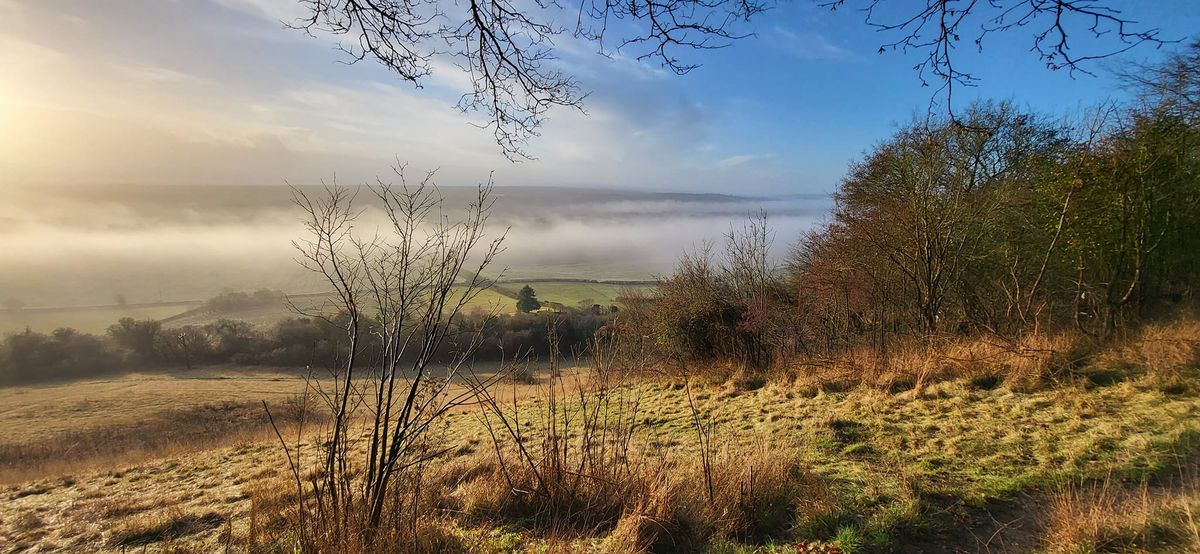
1106	458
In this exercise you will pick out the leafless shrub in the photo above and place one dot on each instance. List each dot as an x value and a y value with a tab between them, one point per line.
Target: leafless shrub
570	464
412	280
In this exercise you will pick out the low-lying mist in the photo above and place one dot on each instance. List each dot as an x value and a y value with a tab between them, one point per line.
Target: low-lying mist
75	246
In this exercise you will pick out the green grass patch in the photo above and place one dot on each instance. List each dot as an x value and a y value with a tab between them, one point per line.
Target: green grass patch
902	465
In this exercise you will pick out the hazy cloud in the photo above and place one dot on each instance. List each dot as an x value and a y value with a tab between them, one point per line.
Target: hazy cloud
742	159
156	74
133	96
807	45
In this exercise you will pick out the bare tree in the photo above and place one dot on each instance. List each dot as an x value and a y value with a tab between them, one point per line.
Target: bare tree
507	48
935	28
411	280
1171	86
920	204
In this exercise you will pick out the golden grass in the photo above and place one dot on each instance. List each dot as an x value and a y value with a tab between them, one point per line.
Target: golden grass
952	428
1167	354
160	526
1027	364
167	433
33	411
882	447
59	429
1166	348
1107	516
756	495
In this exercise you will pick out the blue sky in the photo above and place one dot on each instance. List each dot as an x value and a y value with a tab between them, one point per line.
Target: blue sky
216	91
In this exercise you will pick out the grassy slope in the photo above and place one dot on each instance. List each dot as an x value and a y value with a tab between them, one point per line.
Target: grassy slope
906	466
570	294
902	466
315	303
87	319
46	410
500	299
97	319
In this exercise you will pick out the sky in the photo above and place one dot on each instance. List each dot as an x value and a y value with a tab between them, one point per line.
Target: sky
219	92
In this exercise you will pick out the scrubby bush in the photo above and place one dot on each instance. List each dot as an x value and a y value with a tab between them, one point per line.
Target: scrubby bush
292	342
230	302
29	356
733	306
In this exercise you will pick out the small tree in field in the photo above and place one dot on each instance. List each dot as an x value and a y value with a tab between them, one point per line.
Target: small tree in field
527	300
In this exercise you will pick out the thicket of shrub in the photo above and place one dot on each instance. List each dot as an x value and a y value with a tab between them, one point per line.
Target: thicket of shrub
234	301
131	344
30	356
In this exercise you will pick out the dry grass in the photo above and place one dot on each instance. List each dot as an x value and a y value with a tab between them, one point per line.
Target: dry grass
1107	516
49	409
950	429
273	520
164	434
855	465
120	506
1166	348
110	423
1166	355
757	495
986	362
160	526
170	503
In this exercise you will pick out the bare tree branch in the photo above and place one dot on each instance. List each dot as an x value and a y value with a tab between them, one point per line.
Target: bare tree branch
507	47
937	27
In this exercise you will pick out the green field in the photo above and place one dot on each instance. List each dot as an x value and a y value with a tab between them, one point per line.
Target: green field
95	319
298	305
572	293
87	319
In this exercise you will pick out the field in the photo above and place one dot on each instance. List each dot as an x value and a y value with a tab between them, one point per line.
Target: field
977	467
39	411
572	294
96	319
972	447
87	319
100	420
266	315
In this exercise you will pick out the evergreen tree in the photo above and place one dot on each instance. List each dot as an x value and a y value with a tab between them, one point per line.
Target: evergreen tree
527	300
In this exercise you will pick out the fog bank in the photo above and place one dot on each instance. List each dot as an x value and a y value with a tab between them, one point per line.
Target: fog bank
70	246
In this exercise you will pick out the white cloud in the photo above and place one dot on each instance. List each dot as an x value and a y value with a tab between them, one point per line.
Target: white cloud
741	159
807	45
273	11
156	74
253	109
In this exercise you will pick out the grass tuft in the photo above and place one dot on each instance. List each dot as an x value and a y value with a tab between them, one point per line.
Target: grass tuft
162	526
